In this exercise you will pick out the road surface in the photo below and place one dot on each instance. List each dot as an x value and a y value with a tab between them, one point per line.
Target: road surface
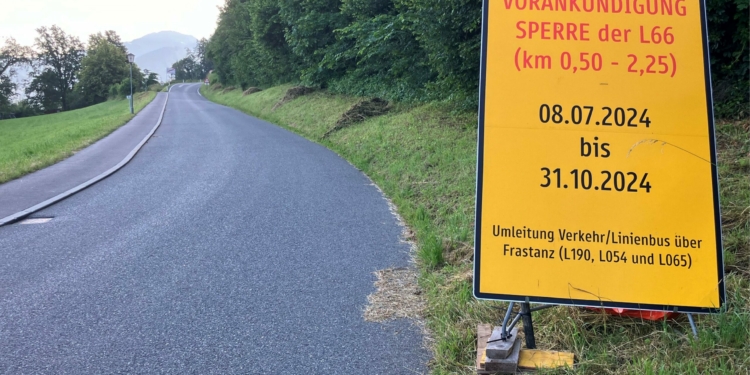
227	246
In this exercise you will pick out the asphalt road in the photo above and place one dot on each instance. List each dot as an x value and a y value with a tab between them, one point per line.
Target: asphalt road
227	246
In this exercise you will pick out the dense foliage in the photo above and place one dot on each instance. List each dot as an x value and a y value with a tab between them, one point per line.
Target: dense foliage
409	49
729	41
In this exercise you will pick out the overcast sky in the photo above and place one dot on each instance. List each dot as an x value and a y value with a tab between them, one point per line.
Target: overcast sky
131	19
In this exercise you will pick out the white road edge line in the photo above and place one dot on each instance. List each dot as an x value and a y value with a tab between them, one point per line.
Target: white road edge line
199	91
107	173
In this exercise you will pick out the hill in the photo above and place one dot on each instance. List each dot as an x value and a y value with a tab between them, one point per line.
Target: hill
158	51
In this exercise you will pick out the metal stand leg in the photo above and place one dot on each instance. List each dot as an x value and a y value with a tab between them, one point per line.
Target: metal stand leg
692	324
528	327
505	328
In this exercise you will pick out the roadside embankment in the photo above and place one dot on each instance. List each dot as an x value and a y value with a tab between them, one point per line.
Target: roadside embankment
424	158
32	143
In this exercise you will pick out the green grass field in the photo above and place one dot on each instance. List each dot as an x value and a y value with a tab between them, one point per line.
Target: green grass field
32	143
424	159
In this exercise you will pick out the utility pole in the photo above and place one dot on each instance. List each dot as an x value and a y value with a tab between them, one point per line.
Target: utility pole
131	58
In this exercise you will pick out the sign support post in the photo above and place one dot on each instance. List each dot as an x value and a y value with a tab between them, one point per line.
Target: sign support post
507	324
692	325
528	326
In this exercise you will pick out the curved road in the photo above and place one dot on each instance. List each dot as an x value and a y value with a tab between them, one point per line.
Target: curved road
227	246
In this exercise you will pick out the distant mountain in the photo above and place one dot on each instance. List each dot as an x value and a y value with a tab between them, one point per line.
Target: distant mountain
158	51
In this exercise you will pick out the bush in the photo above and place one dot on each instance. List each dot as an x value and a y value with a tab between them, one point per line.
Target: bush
114	92
124	87
23	108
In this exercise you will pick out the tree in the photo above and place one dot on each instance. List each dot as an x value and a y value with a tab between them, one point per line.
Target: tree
230	37
249	46
61	54
12	54
104	65
150	79
44	91
201	55
109	36
187	68
7	90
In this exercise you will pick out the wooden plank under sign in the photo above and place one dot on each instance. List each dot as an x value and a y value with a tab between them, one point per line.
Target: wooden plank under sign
483	334
533	358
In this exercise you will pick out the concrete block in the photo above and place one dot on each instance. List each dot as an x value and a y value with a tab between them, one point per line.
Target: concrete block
507	365
500	349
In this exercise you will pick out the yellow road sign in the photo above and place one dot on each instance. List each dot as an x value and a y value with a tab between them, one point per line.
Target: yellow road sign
597	181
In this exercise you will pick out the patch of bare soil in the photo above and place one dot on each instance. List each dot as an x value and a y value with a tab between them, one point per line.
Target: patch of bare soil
360	112
251	90
216	87
397	296
227	89
293	93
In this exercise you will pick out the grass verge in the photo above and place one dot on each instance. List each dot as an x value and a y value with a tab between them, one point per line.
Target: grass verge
32	143
423	157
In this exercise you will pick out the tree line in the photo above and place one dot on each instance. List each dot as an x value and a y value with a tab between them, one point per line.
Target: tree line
65	74
409	49
194	66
